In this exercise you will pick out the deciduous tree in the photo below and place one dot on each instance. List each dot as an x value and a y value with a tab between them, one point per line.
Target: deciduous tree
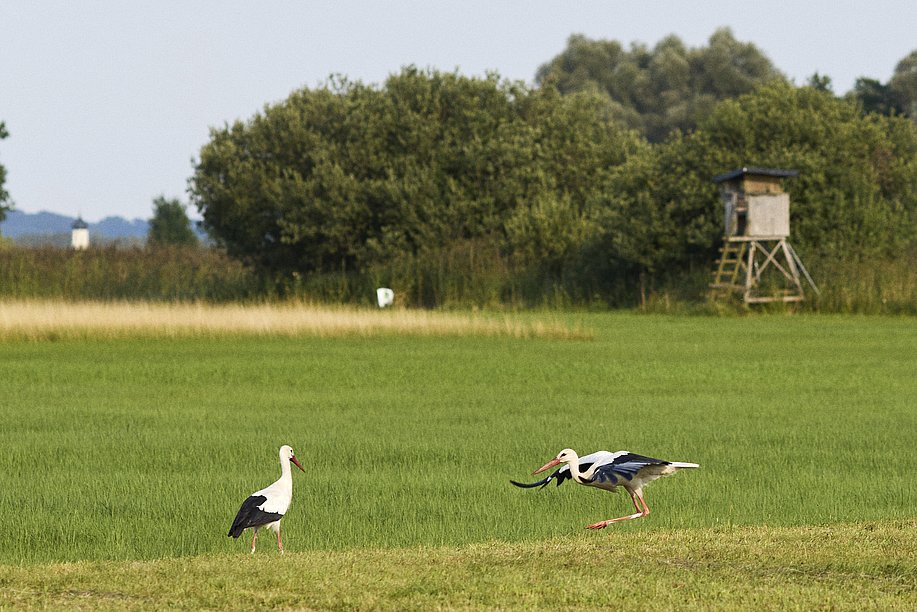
170	224
669	87
348	175
897	97
5	204
904	85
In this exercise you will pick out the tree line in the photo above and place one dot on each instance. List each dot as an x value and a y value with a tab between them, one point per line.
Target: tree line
592	181
579	185
673	87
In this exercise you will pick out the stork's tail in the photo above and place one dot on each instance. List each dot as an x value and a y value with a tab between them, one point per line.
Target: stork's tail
683	464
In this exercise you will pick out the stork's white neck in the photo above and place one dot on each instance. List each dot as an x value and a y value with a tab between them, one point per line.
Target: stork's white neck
579	477
286	474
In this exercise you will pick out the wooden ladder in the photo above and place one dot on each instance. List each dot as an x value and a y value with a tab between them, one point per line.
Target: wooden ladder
728	268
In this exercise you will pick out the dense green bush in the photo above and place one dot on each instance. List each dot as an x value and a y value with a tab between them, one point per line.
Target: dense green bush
350	176
855	196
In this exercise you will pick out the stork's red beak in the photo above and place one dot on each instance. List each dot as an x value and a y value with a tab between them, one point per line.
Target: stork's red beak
546	466
296	461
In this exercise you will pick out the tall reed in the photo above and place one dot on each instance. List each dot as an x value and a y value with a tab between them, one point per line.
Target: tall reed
468	274
867	286
115	273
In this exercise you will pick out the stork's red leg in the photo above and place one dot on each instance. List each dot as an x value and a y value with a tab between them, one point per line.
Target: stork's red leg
646	509
640	513
603	524
254	539
279	543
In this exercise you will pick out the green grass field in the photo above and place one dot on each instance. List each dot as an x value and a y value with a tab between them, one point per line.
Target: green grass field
129	450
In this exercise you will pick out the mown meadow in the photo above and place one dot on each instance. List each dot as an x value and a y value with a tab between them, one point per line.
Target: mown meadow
126	447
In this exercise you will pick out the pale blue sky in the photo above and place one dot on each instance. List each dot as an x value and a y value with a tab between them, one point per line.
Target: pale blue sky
108	101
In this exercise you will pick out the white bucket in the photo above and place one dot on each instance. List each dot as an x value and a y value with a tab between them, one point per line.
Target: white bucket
385	297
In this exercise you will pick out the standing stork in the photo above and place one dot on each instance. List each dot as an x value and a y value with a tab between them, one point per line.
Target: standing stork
606	470
266	507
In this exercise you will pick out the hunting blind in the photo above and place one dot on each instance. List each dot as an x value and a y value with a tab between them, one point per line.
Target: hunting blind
756	259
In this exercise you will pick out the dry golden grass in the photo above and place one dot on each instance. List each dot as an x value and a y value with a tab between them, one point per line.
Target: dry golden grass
43	320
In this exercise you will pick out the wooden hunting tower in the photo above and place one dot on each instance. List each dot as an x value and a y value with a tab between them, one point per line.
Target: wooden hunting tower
756	259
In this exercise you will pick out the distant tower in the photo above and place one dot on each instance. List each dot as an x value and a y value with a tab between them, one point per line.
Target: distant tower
79	239
756	259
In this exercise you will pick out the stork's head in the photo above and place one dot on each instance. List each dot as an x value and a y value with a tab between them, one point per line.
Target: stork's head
568	456
286	454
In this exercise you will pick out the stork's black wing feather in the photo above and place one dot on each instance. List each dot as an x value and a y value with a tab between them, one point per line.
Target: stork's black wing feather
626	466
250	515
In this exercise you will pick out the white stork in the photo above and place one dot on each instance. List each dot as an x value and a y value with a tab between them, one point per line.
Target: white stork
266	507
606	470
